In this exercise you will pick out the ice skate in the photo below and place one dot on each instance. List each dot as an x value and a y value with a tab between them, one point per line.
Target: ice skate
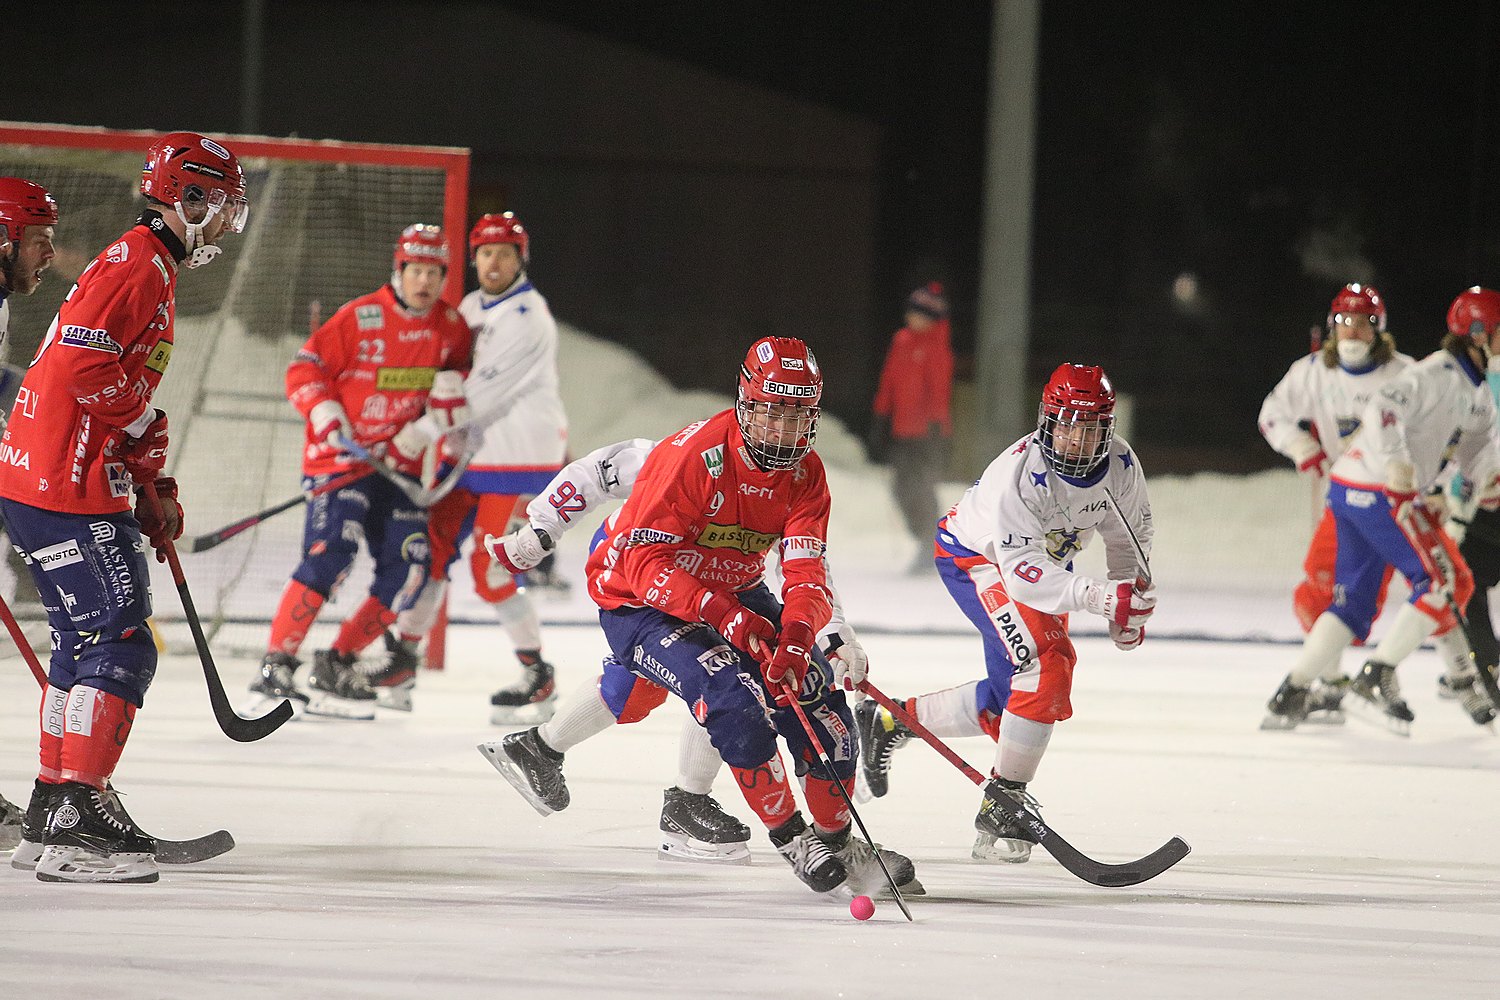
999	838
880	735
275	682
396	675
532	767
1287	707
865	876
33	827
529	702
1325	702
1376	686
89	841
1470	695
696	828
339	690
11	816
812	860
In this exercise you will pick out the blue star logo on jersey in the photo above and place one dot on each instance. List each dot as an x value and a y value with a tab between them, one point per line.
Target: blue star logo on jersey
523	309
1039	478
1127	460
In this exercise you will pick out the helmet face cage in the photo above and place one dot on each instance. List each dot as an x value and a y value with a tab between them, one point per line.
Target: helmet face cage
777	407
1074	441
186	168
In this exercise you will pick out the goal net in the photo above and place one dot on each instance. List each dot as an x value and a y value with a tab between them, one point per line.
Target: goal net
324	218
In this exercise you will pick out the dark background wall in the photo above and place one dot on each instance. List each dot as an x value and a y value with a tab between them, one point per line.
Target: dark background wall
1207	176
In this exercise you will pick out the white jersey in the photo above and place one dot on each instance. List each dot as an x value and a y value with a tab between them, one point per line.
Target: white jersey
512	389
608	474
1329	400
4	329
1030	522
1435	412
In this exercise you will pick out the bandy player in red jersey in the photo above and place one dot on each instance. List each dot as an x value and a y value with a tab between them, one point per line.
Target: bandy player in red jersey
82	443
379	364
680	582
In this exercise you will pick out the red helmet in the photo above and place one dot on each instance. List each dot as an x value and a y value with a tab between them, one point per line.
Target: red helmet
501	227
421	244
185	167
1076	395
1476	312
780	386
1363	299
22	204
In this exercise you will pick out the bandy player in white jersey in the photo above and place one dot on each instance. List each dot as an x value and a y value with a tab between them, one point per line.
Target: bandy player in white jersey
1438	411
694	827
1314	410
1005	553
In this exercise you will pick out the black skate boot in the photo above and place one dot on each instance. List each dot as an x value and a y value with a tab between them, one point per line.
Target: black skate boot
532	700
1325	701
880	735
11	817
696	828
396	676
1376	684
865	876
1470	695
275	682
339	690
1287	707
812	861
1000	838
545	576
89	841
532	767
33	827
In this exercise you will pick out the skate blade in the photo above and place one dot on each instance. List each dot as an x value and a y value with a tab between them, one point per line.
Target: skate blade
1373	713
329	706
1277	723
496	756
397	699
25	856
1326	717
257	704
533	714
678	847
997	850
75	864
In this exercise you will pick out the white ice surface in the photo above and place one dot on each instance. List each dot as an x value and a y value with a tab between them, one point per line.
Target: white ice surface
388	859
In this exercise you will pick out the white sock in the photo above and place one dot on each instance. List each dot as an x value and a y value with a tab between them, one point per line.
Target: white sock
952	712
580	716
1325	641
1022	743
520	621
1453	647
418	619
1409	629
698	762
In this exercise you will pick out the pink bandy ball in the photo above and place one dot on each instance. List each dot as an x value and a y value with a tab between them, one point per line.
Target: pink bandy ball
862	907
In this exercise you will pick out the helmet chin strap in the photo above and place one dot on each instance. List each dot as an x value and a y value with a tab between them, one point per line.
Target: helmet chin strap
199	252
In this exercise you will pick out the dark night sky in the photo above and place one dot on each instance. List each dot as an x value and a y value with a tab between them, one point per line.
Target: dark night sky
1274	152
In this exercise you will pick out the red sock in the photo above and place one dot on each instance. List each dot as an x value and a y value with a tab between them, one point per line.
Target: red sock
829	812
767	791
96	724
53	701
363	627
295	614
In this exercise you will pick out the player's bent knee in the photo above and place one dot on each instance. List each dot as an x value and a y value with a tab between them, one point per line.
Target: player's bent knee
120	660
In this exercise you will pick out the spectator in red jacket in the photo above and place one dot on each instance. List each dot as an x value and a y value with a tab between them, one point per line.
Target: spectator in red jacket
912	419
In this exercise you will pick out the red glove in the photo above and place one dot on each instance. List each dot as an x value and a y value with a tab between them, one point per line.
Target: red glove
146	456
160	516
789	665
742	627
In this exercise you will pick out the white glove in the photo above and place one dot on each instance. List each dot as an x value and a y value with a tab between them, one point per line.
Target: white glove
446	403
413	439
1126	638
846	656
1309	455
327	419
521	550
1126	603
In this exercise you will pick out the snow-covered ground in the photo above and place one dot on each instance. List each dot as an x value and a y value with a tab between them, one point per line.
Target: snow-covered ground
388	859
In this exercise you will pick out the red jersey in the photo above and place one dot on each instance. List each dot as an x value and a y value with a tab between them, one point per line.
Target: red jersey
701	518
92	380
916	382
377	359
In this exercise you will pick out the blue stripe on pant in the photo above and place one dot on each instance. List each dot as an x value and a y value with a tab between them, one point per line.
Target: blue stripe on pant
1369	539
